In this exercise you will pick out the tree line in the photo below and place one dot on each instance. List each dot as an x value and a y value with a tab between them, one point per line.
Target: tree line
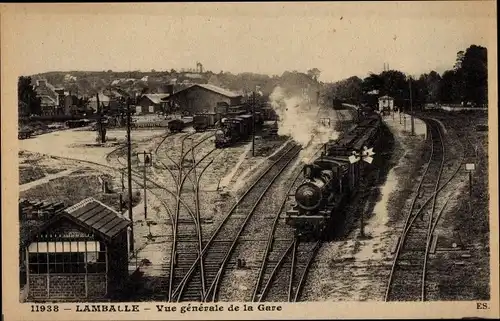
466	83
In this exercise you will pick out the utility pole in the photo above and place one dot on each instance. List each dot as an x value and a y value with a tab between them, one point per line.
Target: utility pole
129	171
253	124
411	110
100	126
99	120
145	200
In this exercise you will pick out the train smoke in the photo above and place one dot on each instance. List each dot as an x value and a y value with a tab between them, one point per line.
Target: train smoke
299	119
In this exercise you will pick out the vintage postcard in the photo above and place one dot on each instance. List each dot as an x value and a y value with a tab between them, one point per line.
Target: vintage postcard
249	160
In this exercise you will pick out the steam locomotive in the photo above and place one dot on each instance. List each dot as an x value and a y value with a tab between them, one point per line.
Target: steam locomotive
331	179
233	129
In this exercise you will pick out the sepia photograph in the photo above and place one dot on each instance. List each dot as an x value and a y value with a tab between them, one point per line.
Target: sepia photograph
249	160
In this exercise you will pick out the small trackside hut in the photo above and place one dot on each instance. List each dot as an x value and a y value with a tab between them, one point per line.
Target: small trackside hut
80	254
386	104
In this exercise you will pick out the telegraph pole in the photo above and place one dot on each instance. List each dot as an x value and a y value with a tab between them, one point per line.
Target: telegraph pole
145	200
253	124
411	110
99	120
129	171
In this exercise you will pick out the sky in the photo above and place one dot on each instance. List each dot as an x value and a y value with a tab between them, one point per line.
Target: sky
342	39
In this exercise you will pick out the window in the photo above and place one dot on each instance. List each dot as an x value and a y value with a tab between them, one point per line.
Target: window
67	257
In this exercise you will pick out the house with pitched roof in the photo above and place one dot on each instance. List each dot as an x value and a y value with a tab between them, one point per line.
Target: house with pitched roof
49	96
151	103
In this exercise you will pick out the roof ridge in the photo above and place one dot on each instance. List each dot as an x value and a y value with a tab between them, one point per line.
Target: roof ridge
80	204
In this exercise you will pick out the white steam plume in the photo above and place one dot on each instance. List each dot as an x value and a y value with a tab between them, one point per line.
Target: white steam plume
300	119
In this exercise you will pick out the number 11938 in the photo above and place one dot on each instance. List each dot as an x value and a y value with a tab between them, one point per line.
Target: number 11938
44	308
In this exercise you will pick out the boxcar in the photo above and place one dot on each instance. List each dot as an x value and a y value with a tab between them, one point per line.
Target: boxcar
202	122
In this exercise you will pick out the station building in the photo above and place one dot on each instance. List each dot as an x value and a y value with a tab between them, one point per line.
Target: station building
79	254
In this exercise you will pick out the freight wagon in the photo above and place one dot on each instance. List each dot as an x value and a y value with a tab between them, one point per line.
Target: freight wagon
177	125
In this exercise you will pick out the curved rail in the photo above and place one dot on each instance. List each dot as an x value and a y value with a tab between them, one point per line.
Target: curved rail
430	228
280	262
409	223
411	218
270	240
178	197
296	278
173	251
309	261
215	285
196	222
200	238
178	292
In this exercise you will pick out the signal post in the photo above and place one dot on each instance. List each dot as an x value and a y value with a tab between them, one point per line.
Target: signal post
365	155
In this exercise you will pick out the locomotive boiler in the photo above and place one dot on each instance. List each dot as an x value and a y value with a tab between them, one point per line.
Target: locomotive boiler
330	180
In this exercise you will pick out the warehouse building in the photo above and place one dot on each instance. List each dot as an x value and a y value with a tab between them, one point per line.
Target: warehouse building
203	98
79	254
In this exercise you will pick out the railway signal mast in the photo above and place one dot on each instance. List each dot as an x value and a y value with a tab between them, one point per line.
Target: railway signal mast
365	155
470	167
145	159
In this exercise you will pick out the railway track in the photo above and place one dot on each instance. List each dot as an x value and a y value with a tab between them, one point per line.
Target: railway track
186	240
286	275
187	234
218	249
280	242
186	228
407	279
455	257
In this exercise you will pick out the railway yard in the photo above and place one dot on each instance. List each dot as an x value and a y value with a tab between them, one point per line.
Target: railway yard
411	232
